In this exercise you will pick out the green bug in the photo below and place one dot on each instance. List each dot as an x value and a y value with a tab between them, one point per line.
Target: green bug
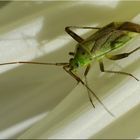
97	46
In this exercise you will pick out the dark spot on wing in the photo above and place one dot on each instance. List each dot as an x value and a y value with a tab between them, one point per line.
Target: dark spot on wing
83	53
78	48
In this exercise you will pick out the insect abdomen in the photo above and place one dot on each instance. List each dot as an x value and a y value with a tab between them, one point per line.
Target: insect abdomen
115	40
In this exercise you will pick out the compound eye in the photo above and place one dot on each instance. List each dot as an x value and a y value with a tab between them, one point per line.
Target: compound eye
71	53
71	60
74	63
77	64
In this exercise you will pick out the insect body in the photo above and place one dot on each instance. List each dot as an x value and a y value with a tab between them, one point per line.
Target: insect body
97	46
101	43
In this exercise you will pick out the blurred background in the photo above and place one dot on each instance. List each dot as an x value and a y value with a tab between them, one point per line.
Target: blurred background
31	95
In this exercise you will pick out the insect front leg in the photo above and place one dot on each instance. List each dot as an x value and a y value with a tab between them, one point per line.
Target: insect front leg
89	95
78	79
116	72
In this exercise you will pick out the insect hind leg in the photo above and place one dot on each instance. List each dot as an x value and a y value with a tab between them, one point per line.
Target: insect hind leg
121	56
116	72
118	57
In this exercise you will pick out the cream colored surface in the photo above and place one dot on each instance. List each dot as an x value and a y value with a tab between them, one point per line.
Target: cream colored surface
44	101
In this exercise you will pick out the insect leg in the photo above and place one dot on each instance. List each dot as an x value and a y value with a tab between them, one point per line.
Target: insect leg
121	56
74	35
77	27
77	78
117	72
129	26
89	95
87	70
